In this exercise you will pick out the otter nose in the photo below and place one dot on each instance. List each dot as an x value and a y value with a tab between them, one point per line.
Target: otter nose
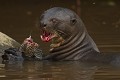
43	24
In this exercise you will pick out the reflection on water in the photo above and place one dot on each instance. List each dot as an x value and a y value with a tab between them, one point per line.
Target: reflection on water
67	70
46	70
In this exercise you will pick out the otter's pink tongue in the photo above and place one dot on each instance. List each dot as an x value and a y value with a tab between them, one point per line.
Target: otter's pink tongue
46	36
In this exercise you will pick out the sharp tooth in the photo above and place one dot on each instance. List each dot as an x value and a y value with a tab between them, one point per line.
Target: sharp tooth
51	49
41	37
45	28
55	45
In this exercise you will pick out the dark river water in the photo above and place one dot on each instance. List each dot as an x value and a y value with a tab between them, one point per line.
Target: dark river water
63	70
18	18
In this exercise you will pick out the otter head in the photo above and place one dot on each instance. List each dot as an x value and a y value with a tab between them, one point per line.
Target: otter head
58	24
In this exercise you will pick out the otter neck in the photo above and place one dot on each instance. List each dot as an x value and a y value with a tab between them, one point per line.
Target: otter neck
79	44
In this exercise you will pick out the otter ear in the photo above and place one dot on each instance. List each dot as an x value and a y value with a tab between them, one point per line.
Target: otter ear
73	21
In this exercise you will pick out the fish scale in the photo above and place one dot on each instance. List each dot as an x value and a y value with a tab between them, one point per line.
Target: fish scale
29	47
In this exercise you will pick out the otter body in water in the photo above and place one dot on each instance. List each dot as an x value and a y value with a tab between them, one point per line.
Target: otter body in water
71	40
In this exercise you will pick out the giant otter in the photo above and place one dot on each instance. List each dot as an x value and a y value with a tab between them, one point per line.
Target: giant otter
71	40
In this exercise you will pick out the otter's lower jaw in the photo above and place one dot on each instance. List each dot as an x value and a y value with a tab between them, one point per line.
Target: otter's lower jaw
57	42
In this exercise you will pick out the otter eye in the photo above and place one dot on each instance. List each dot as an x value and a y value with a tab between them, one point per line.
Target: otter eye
53	20
73	21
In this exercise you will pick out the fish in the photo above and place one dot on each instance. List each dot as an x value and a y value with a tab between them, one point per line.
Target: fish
30	48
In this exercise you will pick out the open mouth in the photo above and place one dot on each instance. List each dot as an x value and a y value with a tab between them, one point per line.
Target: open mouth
46	35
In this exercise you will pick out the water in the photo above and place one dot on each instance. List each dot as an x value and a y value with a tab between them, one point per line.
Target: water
102	19
63	70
